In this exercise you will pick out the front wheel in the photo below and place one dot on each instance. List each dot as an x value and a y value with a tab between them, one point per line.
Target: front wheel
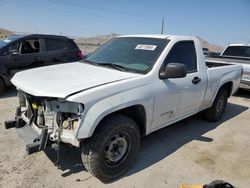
112	149
215	112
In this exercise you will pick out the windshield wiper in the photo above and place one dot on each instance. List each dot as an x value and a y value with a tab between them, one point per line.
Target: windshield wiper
113	65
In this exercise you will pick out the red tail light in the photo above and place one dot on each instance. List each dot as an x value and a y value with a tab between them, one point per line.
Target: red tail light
79	54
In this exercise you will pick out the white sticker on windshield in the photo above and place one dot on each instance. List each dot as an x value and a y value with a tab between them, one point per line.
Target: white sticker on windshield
7	40
145	47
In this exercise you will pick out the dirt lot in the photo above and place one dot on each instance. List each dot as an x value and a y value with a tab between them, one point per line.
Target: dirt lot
192	151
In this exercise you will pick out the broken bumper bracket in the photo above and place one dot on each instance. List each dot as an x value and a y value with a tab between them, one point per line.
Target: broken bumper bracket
34	142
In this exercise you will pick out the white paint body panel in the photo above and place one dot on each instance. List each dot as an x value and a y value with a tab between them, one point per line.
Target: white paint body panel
65	79
101	96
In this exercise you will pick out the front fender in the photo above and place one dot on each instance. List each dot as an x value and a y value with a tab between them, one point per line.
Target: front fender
95	113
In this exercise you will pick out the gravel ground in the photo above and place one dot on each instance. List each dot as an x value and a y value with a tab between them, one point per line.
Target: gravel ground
193	151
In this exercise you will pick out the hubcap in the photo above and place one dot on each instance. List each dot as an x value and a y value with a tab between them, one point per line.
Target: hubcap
116	149
220	104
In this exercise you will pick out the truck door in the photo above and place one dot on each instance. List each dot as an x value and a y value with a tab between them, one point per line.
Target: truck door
178	97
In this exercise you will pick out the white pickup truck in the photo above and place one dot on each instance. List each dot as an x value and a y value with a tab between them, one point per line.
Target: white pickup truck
128	88
236	54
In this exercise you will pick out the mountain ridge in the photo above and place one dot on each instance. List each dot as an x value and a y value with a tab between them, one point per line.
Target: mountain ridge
89	44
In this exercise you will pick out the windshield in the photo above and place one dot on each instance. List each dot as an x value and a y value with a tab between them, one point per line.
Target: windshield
237	51
7	40
132	54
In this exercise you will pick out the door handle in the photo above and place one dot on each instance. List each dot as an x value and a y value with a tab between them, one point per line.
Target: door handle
196	80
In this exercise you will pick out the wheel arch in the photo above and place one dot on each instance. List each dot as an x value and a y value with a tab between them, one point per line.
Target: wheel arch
212	114
137	112
228	86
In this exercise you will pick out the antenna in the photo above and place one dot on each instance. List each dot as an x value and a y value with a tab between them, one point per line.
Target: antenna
162	25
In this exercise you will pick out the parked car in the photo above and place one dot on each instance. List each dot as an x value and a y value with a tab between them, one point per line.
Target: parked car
213	54
236	54
20	52
128	88
205	51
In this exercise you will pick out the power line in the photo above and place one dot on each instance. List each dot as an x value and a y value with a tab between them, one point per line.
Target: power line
105	17
86	7
83	7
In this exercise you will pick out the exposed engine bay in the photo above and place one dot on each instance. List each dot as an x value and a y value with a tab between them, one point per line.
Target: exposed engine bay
59	116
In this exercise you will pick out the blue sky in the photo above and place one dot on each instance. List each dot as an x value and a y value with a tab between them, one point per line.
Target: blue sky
218	21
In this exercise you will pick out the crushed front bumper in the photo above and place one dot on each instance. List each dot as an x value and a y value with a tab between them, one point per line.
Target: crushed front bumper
40	120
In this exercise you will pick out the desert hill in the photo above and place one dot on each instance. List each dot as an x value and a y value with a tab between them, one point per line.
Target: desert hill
4	33
88	45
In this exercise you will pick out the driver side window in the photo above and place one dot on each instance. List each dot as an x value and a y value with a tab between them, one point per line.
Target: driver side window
184	53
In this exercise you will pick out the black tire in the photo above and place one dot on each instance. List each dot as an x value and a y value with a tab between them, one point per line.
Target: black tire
2	86
215	112
97	152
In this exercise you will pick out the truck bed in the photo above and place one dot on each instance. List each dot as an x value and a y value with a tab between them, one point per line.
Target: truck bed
219	73
211	64
229	60
245	78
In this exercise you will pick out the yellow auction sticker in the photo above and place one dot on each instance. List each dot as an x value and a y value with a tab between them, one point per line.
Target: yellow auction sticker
191	186
34	106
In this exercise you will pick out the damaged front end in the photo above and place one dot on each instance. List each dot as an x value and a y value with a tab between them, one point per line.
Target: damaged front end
42	119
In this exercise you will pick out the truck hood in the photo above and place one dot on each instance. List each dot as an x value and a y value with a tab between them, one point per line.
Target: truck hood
66	79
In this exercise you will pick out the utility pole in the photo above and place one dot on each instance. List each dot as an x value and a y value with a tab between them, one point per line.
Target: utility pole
162	25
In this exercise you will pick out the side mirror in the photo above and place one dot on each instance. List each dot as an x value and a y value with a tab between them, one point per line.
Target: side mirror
13	53
173	70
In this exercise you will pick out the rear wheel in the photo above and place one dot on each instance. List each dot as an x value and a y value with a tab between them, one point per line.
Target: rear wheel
112	149
2	86
215	112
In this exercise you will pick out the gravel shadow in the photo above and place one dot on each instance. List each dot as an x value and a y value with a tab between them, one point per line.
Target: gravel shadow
69	159
166	141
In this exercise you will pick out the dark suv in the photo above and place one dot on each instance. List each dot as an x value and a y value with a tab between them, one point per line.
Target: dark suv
20	52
